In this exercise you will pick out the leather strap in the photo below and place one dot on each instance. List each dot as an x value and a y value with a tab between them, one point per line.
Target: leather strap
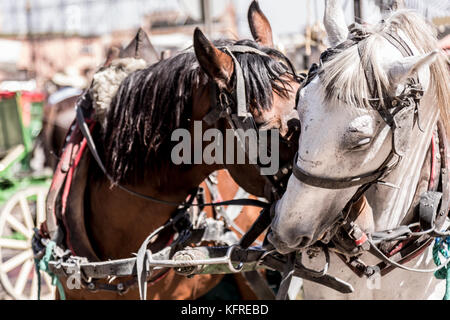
258	227
288	272
342	183
259	285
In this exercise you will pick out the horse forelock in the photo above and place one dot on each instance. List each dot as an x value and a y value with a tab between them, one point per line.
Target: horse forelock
343	76
151	103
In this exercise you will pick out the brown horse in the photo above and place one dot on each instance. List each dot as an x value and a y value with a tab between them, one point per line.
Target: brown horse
134	141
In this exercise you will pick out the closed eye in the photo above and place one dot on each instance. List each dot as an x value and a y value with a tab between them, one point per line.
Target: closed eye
362	144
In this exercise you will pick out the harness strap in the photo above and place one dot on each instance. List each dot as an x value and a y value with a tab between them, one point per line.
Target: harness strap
241	102
259	285
399	43
258	227
288	272
408	249
342	183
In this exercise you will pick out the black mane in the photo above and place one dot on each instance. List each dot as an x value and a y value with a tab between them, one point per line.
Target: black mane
151	103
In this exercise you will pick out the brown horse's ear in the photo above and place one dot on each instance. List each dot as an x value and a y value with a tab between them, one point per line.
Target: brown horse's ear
217	64
140	48
259	25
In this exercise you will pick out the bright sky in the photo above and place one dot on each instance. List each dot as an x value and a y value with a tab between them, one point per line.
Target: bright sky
103	16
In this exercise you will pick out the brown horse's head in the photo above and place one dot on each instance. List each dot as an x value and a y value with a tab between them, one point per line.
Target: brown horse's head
270	91
177	93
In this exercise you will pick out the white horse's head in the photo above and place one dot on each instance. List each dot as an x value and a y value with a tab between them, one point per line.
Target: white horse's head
342	135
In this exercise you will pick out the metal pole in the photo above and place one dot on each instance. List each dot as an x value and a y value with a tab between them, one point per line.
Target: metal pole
357	9
30	37
207	16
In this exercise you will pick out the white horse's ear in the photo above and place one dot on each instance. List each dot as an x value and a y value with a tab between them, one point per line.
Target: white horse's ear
400	70
334	22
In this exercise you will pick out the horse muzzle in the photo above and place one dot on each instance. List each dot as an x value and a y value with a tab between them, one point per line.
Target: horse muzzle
286	238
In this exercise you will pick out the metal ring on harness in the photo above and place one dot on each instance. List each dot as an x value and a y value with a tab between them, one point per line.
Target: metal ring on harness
230	264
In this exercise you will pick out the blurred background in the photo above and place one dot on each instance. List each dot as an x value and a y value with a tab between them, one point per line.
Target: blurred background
48	43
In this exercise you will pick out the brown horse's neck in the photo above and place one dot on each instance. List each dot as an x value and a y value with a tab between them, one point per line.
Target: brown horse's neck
118	222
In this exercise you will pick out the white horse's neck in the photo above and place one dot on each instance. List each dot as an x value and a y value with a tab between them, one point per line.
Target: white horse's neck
389	205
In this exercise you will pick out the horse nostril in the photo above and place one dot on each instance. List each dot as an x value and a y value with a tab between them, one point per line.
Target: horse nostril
303	242
280	246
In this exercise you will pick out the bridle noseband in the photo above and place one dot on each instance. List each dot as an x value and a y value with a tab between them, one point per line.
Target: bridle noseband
342	183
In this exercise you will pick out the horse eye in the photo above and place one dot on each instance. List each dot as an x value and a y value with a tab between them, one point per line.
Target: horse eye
362	144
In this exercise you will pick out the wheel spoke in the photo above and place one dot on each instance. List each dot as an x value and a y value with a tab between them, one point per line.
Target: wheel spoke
14	244
23	277
34	286
26	213
18	226
47	280
15	261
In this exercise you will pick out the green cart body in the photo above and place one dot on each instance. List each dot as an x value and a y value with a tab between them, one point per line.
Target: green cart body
22	194
20	124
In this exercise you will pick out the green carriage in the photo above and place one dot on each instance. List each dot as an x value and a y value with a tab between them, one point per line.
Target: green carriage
23	189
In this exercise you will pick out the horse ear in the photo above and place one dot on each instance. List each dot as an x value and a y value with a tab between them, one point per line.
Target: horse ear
217	64
259	25
334	21
400	70
140	48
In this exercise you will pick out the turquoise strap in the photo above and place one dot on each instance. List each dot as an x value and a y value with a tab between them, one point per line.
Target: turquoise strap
442	246
42	264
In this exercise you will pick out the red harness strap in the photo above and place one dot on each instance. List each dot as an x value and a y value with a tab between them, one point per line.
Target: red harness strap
49	228
66	191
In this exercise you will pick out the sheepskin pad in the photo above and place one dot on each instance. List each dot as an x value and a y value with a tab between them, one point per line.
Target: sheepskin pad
107	81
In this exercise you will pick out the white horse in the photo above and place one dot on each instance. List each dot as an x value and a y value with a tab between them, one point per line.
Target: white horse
344	136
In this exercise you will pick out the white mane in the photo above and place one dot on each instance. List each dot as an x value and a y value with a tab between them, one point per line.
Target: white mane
344	79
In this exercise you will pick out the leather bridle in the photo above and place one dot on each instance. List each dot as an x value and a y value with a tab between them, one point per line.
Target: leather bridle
234	109
398	112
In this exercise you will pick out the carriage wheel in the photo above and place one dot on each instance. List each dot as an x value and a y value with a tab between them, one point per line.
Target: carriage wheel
24	211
